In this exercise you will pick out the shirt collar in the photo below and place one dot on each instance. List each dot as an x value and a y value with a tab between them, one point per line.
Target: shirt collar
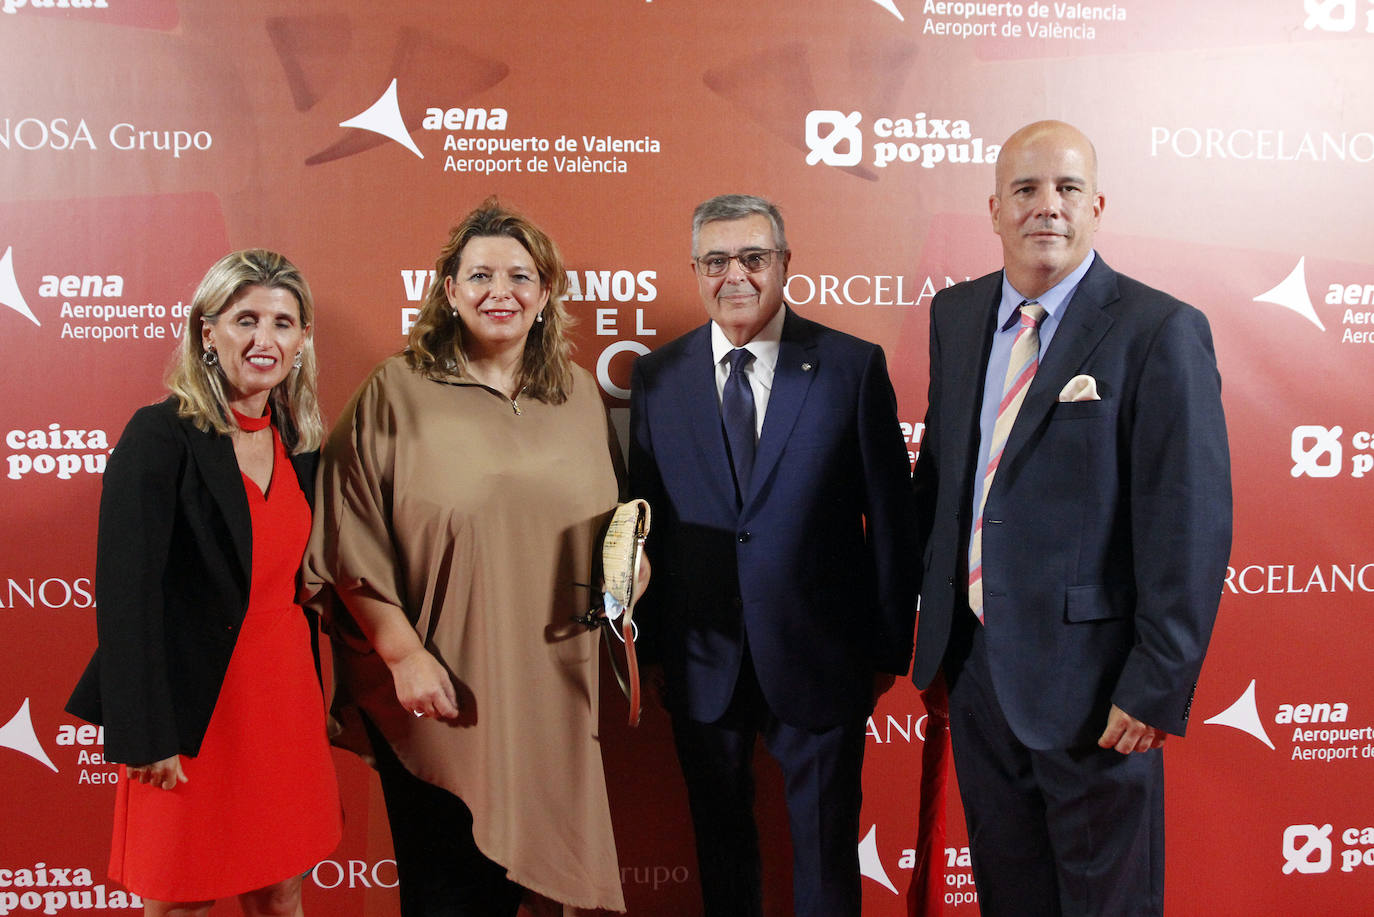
764	345
1053	300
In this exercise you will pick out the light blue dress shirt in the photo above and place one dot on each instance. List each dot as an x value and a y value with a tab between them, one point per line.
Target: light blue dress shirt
1054	300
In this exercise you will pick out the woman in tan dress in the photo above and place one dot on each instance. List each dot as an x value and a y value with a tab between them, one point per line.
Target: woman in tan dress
460	499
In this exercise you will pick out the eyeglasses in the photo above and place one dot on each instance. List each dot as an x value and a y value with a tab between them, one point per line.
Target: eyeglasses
751	261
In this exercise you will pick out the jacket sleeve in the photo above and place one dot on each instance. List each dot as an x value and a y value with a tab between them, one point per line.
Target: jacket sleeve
138	507
351	550
645	484
925	480
889	516
1180	505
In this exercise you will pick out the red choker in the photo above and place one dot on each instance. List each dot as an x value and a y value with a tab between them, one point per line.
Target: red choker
253	424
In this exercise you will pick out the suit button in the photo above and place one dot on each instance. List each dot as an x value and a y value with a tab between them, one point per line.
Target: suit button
738	603
743	537
951	581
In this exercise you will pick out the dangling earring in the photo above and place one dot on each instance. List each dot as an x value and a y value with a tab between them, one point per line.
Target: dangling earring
540	316
296	363
209	357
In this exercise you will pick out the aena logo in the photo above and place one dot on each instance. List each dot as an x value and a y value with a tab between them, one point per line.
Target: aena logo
1291	294
1243	715
10	295
18	734
891	8
384	117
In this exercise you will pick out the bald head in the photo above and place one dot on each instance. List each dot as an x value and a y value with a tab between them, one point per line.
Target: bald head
1046	205
1054	134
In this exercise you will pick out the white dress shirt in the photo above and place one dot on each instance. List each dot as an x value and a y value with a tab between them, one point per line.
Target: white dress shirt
759	372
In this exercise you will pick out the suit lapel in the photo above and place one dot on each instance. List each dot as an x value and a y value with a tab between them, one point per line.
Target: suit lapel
969	331
1082	327
219	470
798	366
696	400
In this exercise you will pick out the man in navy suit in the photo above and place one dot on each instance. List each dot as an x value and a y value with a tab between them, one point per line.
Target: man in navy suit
784	586
1097	543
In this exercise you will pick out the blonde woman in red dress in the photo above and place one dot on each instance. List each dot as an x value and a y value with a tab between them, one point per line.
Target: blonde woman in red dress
204	677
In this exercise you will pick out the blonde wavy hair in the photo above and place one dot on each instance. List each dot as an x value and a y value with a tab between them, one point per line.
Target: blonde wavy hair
200	389
436	344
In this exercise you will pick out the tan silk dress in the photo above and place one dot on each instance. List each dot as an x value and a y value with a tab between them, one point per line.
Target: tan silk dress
479	523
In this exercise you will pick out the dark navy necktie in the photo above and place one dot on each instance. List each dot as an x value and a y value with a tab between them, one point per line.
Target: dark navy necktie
737	413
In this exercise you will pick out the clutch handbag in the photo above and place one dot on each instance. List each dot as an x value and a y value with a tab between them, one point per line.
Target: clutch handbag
621	550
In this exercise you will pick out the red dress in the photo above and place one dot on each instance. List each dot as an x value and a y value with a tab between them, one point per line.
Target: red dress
261	803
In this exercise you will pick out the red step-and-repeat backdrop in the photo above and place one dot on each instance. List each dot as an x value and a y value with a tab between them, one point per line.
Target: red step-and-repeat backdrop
141	139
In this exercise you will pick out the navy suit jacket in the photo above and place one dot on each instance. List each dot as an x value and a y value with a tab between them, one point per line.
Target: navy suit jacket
815	570
173	570
1108	526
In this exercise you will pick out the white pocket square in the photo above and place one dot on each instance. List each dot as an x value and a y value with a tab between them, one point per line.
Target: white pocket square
1080	388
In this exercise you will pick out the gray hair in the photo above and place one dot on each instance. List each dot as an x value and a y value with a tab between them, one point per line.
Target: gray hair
736	207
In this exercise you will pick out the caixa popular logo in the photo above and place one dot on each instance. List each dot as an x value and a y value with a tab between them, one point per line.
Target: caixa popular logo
1320	451
46	888
1310	849
836	138
1338	15
55	451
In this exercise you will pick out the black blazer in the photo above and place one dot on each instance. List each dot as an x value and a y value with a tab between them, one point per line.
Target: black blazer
173	568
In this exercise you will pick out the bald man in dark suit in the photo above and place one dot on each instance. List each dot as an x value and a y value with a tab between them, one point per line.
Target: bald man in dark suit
1074	496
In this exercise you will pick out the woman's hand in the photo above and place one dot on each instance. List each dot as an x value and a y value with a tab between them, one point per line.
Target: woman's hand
164	774
423	685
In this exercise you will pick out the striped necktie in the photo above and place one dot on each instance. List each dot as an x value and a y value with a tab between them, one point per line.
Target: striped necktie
1025	359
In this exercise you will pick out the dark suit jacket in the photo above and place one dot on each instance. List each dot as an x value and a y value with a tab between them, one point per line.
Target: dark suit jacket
816	569
1108	526
173	562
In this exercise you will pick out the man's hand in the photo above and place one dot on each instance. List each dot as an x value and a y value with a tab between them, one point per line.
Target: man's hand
1126	734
